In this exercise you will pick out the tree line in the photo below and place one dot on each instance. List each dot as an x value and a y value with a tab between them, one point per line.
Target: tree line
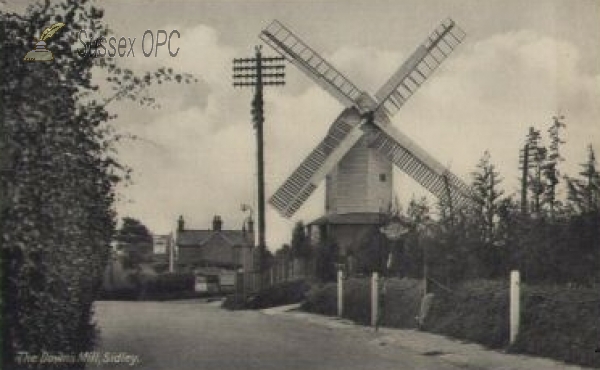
549	236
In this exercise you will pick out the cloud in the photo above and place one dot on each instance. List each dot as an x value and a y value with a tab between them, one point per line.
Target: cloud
198	162
488	94
206	164
199	159
368	67
198	153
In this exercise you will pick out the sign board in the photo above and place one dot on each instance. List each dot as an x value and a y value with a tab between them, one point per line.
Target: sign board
395	230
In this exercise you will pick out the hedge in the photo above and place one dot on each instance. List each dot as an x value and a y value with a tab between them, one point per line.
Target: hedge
557	322
277	295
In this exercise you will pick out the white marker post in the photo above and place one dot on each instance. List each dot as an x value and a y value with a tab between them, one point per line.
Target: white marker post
374	299
340	292
515	304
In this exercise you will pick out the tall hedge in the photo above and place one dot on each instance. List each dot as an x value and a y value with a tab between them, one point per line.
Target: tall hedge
58	174
57	219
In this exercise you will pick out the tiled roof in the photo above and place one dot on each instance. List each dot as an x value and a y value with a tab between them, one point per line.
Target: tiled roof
192	237
198	238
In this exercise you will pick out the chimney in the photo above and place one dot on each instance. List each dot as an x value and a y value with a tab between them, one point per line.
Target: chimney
180	224
217	223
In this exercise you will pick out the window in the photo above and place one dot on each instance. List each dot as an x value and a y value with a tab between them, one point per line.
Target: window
382	177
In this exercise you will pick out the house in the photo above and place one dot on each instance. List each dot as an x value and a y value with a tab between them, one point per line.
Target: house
215	251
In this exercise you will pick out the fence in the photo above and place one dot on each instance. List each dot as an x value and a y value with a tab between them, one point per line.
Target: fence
282	270
289	269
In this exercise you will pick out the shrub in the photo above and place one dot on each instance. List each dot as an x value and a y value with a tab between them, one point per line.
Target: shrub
476	311
121	294
234	302
560	323
400	304
278	295
321	299
166	285
556	322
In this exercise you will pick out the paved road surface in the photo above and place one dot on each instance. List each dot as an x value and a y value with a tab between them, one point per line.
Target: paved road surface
190	335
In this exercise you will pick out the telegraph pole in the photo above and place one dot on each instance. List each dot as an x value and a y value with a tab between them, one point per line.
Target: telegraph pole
258	72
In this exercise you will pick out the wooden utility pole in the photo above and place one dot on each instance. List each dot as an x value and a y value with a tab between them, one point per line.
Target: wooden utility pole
258	72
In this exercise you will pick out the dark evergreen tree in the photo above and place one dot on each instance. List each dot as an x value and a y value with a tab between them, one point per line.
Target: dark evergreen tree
300	245
584	225
487	195
584	192
550	169
537	158
418	213
326	259
488	253
135	240
410	259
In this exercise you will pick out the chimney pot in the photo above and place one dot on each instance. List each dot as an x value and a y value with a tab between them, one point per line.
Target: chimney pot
180	223
217	223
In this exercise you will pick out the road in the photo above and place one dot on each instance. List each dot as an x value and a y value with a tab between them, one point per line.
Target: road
186	335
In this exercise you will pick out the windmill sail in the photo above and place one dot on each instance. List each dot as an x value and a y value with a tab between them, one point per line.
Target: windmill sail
416	69
349	128
418	164
312	64
341	137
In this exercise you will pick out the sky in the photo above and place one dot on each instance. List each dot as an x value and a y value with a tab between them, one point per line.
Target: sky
522	63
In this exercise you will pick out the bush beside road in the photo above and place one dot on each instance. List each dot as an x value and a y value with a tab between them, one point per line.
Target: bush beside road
560	325
276	295
153	287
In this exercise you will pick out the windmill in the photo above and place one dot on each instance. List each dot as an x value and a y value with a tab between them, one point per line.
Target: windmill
356	156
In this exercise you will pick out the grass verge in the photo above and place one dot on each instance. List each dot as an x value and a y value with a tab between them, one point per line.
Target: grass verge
558	323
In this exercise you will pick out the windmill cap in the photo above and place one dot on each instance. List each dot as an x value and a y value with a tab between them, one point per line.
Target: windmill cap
366	102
